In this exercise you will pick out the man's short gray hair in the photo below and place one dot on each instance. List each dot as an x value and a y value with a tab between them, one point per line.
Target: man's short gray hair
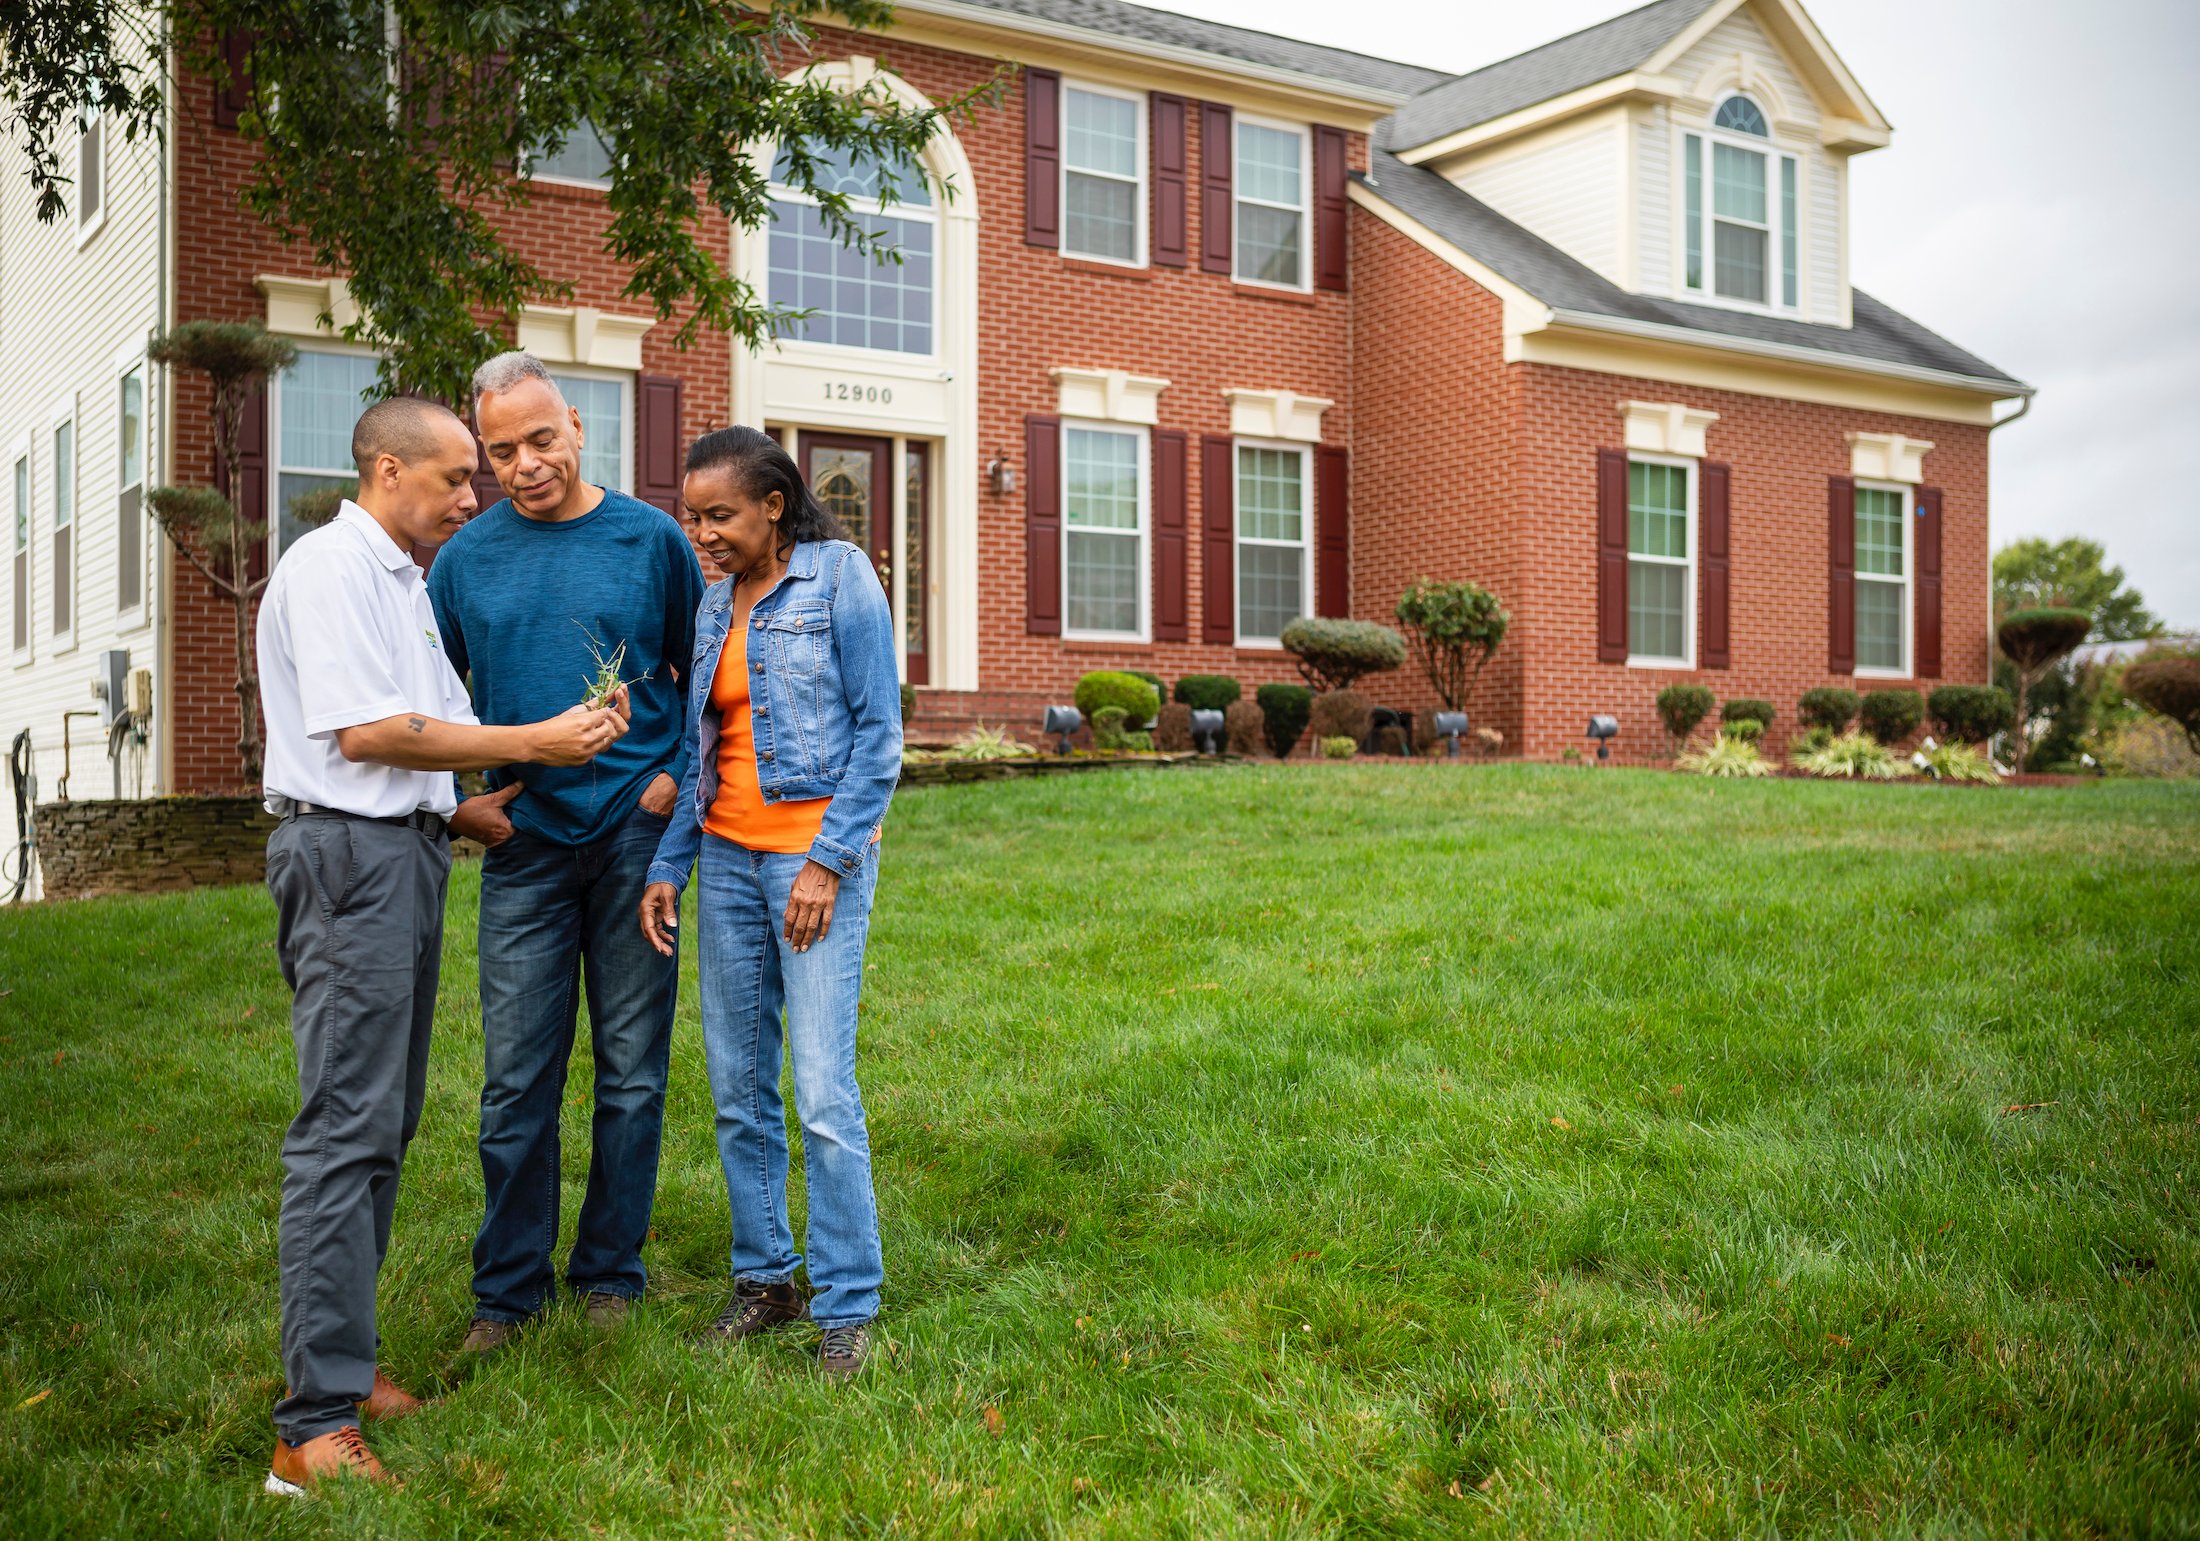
507	370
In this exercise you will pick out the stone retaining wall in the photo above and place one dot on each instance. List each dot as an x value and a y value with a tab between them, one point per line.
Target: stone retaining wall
152	845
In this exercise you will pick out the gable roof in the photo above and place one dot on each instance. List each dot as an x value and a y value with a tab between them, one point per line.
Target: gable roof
1116	18
1878	334
1580	59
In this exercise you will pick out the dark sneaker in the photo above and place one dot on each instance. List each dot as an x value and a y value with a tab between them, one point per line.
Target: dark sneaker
756	1308
484	1337
606	1310
841	1352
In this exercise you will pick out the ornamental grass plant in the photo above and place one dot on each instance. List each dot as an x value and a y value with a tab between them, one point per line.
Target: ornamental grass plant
1856	756
1729	755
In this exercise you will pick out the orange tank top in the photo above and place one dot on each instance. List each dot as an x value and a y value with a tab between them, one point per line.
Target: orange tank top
739	813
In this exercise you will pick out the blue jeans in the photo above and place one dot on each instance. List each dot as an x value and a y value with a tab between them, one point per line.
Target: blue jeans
749	973
553	917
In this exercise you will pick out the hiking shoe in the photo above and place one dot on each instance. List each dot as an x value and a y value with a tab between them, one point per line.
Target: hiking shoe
606	1310
389	1400
297	1469
842	1350
756	1308
485	1336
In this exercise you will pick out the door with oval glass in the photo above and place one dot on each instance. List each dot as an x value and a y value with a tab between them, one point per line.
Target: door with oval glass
851	475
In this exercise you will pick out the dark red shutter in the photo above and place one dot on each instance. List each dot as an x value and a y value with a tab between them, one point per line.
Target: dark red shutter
231	100
247	489
1713	649
1928	583
1217	538
1332	530
1042	158
1043	526
1841	574
1215	170
1171	246
1329	208
1611	556
1171	536
657	441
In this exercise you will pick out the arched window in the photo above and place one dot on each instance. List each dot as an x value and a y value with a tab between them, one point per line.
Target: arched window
1742	116
856	299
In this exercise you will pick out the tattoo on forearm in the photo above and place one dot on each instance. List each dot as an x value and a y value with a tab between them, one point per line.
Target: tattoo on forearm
417	724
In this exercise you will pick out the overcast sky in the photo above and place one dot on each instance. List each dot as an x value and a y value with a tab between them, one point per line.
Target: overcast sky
2036	207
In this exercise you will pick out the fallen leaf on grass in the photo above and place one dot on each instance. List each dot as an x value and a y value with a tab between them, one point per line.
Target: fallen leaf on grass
251	1010
59	1055
1302	1257
994	1423
34	1399
2029	1107
1836	1338
1560	1123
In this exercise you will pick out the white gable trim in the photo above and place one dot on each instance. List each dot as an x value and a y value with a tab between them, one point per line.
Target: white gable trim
1791	30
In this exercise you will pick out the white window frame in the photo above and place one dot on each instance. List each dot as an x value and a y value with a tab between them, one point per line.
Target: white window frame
1909	578
1305	209
1239	540
1776	252
1141	199
23	453
624	379
779	192
93	134
126	363
1143	632
275	463
1690	603
65	415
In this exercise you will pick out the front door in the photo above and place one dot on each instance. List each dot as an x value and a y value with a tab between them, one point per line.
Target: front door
851	475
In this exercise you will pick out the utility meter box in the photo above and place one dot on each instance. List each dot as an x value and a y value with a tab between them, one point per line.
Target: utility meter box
140	698
111	683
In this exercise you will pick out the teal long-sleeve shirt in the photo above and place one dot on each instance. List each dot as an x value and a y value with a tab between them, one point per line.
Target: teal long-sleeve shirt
523	603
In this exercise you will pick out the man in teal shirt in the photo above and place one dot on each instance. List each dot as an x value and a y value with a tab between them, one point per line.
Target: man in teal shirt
532	597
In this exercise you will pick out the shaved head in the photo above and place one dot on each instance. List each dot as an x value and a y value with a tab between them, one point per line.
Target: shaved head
404	426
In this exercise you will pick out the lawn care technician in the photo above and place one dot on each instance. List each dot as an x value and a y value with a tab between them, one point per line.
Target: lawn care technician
366	720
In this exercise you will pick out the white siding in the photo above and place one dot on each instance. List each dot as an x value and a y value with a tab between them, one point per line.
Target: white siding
66	311
1827	300
1657	214
1739	37
1565	185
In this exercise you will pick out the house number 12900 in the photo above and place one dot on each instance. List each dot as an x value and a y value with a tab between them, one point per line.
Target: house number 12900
876	395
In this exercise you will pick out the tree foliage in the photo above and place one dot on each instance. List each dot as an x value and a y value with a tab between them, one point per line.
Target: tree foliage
1456	628
1331	654
2071	574
392	137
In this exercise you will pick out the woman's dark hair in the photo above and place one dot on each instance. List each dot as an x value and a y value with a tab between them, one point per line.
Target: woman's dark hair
763	468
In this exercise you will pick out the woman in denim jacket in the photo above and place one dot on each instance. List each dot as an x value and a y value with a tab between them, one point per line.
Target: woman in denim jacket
794	745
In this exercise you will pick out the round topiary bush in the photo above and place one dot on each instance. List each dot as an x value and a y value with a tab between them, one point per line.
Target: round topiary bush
1744	709
1341	714
1207	692
1243	723
1681	707
1829	707
2168	684
1334	653
1339	746
1890	716
1283	713
1104	688
1160	690
1970	714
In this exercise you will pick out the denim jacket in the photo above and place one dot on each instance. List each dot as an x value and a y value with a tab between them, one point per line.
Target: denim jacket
825	705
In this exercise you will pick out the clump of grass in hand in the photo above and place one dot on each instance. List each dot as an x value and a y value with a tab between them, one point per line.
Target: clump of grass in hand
605	682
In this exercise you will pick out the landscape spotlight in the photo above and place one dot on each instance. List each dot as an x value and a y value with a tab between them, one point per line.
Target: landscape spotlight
1207	730
1603	729
1062	721
1451	727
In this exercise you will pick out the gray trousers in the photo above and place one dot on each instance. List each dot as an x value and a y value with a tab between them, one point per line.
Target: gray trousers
359	909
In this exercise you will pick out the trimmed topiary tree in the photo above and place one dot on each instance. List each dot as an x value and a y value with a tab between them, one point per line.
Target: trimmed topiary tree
1207	692
1341	714
1828	706
1890	716
1455	627
1969	714
1332	654
1681	707
1744	709
2168	684
2035	641
1104	688
1283	713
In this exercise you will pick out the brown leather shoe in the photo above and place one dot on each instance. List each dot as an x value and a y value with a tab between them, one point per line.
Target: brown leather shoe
606	1310
297	1469
389	1400
484	1337
756	1308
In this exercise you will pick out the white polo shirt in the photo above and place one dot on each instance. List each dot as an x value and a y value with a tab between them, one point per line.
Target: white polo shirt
347	636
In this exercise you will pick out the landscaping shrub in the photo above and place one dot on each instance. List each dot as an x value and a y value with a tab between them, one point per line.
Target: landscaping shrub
1456	627
1747	729
1855	755
2168	683
1829	707
1110	734
1891	715
1970	714
1207	692
1808	740
1172	732
1729	755
908	701
1681	707
1491	740
1283	713
1746	710
984	743
1392	740
2150	747
1332	654
1243	723
1160	690
1339	746
1959	762
1341	714
1103	688
2034	641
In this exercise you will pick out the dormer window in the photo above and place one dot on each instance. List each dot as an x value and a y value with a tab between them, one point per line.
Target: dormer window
1741	233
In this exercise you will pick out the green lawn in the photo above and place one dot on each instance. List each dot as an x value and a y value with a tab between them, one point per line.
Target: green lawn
1310	1151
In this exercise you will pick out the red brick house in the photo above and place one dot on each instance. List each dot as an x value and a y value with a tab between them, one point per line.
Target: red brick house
1215	329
